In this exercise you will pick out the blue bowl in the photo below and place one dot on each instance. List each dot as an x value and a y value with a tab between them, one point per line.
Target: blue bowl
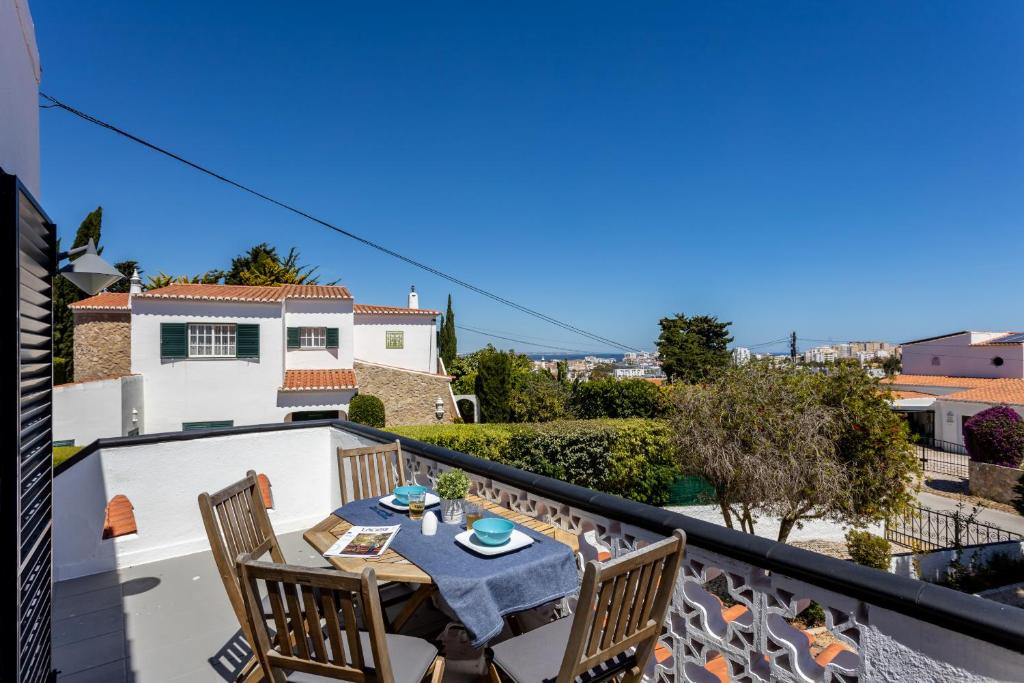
402	493
493	530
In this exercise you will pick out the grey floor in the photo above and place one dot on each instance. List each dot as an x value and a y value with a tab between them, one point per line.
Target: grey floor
169	621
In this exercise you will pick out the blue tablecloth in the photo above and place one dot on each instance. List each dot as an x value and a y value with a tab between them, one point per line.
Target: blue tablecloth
479	590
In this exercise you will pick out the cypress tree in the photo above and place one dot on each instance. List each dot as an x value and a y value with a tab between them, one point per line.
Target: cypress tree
494	385
447	343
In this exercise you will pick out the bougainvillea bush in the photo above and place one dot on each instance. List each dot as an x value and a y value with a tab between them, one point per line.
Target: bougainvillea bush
996	436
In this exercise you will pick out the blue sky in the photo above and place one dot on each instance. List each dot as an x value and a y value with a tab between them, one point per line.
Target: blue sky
850	170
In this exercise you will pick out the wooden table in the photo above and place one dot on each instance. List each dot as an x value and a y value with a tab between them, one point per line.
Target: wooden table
391	566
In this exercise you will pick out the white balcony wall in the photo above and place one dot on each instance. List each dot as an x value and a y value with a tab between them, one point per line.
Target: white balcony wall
311	313
163	480
420	341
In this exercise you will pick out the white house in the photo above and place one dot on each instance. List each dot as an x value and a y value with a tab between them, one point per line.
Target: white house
949	378
194	356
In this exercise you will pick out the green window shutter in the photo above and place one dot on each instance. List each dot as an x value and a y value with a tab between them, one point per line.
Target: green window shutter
293	337
332	337
247	341
173	340
212	424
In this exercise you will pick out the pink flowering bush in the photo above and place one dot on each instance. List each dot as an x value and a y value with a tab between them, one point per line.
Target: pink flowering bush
996	436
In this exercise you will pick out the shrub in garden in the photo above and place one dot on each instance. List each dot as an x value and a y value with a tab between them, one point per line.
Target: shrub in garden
996	436
869	550
618	399
629	458
366	409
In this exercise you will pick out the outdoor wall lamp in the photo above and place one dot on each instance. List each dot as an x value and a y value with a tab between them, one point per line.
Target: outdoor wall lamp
88	272
439	408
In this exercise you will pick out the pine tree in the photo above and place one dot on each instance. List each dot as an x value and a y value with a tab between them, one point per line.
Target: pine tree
65	294
447	344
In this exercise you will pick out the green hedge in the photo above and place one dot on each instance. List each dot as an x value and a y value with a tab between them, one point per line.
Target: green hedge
366	409
631	458
62	453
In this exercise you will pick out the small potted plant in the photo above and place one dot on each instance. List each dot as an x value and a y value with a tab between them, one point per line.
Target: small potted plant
452	487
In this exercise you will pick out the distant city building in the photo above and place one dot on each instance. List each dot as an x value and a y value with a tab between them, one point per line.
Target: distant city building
629	371
820	354
741	355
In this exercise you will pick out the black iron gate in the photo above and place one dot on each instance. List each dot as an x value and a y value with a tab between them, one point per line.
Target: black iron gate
26	356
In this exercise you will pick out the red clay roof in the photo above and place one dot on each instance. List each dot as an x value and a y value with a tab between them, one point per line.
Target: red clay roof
910	394
937	381
996	391
318	380
370	309
104	301
247	293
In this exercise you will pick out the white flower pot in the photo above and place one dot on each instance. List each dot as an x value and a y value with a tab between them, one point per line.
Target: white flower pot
452	511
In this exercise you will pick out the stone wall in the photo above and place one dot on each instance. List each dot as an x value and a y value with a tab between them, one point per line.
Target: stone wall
994	482
103	344
408	396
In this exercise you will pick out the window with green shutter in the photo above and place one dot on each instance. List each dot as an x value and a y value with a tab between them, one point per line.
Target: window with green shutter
173	340
247	341
293	337
332	337
394	339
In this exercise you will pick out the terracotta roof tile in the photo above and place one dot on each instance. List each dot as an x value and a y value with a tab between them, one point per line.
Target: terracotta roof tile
937	381
370	309
104	301
911	394
247	293
318	380
120	518
997	391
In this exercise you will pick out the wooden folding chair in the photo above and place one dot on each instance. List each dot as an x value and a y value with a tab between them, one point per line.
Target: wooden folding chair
236	522
305	605
371	471
614	629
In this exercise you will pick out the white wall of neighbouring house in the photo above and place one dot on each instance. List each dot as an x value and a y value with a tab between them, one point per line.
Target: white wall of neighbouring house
949	417
320	313
200	389
88	411
301	401
19	94
956	357
420	340
162	481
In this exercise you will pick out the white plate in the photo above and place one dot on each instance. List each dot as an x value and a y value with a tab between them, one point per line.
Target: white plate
390	502
516	541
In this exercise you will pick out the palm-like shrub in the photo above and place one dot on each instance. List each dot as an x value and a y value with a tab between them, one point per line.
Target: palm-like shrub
996	436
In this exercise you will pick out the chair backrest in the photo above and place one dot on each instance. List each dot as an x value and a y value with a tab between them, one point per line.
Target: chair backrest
622	605
236	522
305	604
371	471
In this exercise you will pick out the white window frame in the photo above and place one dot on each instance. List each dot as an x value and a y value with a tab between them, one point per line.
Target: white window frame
312	337
212	340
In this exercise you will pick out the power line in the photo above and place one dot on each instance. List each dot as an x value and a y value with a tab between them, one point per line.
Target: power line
518	341
339	230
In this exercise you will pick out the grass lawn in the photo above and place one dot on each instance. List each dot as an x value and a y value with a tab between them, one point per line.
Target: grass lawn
62	453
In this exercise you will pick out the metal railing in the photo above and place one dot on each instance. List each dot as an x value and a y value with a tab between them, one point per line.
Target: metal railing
943	457
927	529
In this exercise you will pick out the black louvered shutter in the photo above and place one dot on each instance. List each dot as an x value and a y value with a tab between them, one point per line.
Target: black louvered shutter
26	472
332	337
247	341
293	337
173	340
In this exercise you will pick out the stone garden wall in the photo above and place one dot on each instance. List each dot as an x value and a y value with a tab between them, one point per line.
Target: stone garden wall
103	345
994	482
408	396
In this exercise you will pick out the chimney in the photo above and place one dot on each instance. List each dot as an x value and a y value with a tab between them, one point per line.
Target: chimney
414	298
136	283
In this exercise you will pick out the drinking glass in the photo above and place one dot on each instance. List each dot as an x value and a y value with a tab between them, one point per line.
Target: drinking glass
473	513
417	501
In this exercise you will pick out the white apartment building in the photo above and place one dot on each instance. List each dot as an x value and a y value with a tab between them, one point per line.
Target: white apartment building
740	355
820	354
191	356
628	372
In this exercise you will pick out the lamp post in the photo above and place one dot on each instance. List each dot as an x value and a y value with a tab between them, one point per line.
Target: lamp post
439	408
88	272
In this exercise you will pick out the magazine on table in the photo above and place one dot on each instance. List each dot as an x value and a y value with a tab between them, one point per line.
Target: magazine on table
363	541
